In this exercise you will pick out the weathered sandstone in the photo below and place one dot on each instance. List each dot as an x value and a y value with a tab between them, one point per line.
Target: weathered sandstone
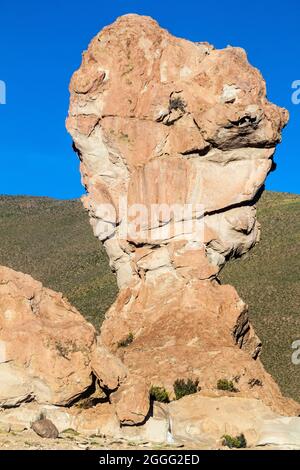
48	352
160	122
158	119
45	428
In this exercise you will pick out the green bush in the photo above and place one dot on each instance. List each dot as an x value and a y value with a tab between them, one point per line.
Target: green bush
238	442
159	394
182	387
224	384
126	341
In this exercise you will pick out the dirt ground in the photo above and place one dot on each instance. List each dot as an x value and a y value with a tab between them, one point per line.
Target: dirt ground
29	440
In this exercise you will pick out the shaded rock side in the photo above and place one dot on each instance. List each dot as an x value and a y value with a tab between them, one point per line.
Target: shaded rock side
196	421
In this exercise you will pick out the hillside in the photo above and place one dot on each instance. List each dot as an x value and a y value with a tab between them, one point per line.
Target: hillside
268	280
52	241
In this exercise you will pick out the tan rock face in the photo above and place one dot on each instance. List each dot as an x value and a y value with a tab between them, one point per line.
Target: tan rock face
200	418
198	330
48	352
110	370
175	141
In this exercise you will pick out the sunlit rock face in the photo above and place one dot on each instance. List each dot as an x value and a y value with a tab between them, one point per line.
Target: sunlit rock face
162	120
175	140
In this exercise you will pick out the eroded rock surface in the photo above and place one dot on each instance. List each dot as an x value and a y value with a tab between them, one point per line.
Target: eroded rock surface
196	421
205	419
166	124
48	351
45	428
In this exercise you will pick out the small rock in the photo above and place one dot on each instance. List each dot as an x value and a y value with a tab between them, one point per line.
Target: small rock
45	428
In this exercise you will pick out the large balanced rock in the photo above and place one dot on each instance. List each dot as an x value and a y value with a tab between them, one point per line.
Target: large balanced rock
175	140
48	351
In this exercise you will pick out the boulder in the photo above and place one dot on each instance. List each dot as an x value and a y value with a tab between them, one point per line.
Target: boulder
175	141
195	421
195	331
100	420
132	400
45	428
281	432
211	135
154	430
206	419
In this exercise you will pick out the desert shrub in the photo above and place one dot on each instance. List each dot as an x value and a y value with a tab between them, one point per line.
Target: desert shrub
237	442
159	394
228	385
182	387
126	341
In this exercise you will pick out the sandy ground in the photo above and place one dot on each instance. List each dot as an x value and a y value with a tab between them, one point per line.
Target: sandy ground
29	440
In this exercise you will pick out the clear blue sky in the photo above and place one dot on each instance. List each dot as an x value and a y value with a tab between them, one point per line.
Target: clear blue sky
41	44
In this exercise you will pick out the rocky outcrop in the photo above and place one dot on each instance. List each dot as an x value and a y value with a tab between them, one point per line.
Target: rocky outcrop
196	421
47	361
161	120
45	428
200	331
48	352
175	141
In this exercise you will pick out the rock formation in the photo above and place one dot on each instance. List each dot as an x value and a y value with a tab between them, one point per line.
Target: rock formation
184	134
48	352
